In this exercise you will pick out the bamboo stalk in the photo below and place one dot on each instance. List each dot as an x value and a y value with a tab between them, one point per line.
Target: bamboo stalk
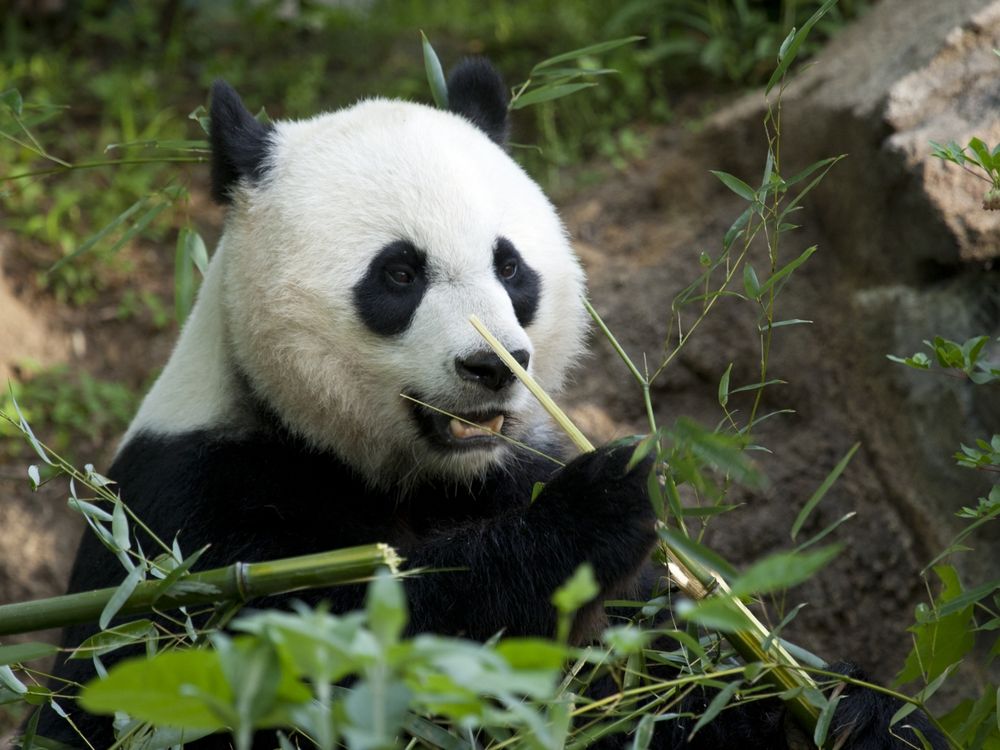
237	582
696	580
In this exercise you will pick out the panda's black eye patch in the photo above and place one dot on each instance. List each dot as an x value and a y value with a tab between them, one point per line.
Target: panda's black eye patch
390	291
522	283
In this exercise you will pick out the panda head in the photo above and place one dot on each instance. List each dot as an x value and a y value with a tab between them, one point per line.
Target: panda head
356	246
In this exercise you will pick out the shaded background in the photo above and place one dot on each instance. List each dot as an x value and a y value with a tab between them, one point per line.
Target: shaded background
906	252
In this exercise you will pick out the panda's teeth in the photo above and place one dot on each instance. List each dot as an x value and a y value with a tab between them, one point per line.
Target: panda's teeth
462	431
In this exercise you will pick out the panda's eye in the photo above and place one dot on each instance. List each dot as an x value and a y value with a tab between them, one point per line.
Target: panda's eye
401	275
508	269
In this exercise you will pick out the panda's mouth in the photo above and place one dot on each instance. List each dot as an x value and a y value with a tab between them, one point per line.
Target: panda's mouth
457	430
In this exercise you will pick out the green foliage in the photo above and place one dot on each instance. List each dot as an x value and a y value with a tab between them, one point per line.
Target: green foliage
977	158
278	673
960	619
737	41
74	407
965	358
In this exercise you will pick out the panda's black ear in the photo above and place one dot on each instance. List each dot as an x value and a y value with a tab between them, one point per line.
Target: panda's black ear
476	91
239	142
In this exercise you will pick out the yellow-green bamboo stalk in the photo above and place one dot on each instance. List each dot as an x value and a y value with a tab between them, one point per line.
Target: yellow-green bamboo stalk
696	581
238	582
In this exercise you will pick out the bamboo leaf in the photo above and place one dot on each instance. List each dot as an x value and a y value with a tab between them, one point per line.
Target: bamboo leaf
435	74
548	93
121	595
100	235
750	283
823	723
644	732
170	689
821	491
11	98
11	682
724	386
21	652
790	47
119	526
593	49
829	529
719	702
736	185
782	570
109	640
785	270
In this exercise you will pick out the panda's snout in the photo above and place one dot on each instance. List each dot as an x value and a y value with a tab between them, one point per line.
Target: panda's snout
488	370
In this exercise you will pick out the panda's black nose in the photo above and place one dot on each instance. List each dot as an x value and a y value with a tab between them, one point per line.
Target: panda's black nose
487	369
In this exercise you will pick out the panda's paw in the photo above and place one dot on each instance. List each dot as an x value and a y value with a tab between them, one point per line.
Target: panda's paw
863	715
601	502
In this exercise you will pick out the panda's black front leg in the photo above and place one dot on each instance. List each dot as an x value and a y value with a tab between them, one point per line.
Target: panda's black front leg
502	570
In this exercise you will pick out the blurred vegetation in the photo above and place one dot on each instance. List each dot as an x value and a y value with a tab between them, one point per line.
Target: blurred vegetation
131	71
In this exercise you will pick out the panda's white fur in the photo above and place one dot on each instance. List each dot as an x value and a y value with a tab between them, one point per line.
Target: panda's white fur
277	303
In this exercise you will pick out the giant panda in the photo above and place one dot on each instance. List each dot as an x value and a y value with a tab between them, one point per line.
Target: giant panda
356	245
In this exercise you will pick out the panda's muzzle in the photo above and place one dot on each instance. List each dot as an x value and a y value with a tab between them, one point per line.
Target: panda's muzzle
487	369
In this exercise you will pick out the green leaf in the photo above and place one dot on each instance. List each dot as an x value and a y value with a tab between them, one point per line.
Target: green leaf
579	589
89	509
783	323
120	596
982	151
750	283
21	652
821	491
971	596
719	702
119	526
532	653
782	570
386	607
939	642
177	573
548	93
200	115
11	98
591	50
435	75
785	270
10	681
25	428
642	449
644	732
100	235
829	529
790	48
375	711
823	722
737	228
114	638
536	490
758	386
183	276
736	185
698	552
713	613
171	689
724	386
